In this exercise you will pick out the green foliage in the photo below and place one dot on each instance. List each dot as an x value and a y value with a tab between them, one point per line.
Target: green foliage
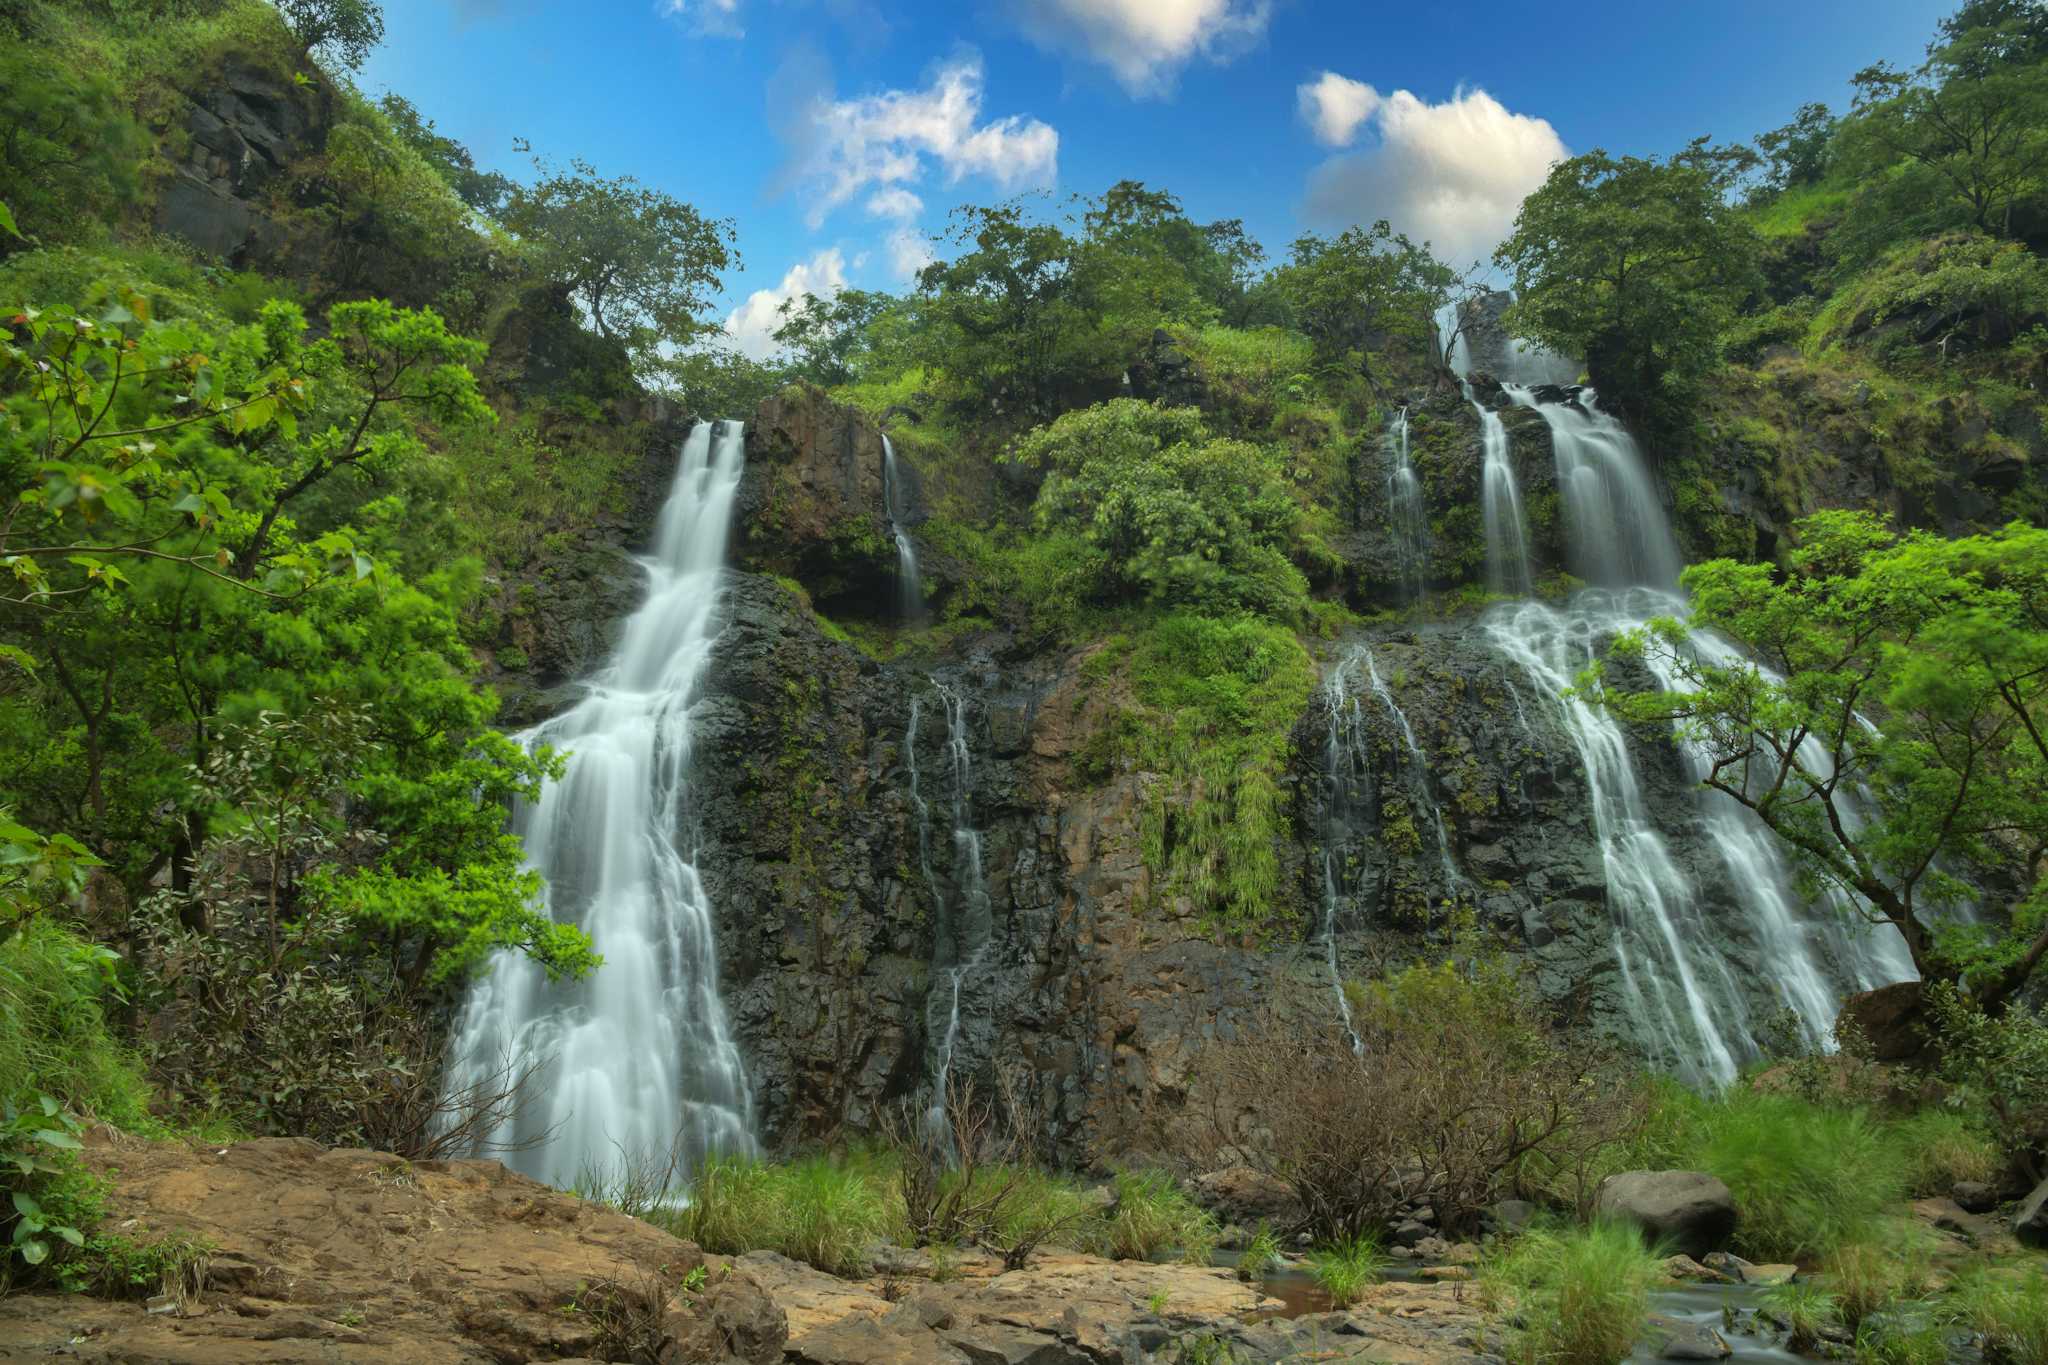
643	264
1866	1278
1942	1147
483	191
1350	293
345	29
1635	264
2007	1309
1997	1064
69	153
1807	1309
43	1212
825	1211
1261	1253
1806	1178
1951	291
1344	1269
1946	639
1579	1295
1219	700
1175	517
55	1038
1150	1215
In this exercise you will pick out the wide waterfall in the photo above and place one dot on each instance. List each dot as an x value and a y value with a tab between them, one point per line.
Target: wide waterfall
636	1063
909	586
1408	518
963	914
1679	985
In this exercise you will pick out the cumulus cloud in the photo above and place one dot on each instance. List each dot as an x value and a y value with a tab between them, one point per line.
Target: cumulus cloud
1453	173
711	18
1333	106
887	142
1145	43
751	326
895	202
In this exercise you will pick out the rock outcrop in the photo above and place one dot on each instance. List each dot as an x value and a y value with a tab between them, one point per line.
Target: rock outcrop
1690	1211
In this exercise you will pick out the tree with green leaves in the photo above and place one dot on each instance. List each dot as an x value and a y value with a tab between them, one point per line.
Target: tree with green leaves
70	154
1634	264
347	29
643	265
1172	515
826	339
484	191
1351	292
1971	121
1892	729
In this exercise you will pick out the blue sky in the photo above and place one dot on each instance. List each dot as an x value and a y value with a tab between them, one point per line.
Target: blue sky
837	134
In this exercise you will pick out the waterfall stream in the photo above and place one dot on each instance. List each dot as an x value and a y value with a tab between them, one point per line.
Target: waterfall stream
963	914
636	1063
909	586
1408	518
1679	985
1500	504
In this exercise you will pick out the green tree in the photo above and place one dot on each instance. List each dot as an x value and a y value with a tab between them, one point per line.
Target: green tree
1972	119
828	338
346	28
643	264
1894	729
1797	153
1636	265
1174	515
484	191
1352	292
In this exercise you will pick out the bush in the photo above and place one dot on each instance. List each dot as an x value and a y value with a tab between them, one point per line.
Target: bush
1459	1084
1998	1064
1153	1215
54	1036
1579	1295
1941	1147
1344	1269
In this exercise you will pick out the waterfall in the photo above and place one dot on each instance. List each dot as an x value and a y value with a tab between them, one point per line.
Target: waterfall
636	1063
1408	519
1678	985
1500	503
1615	529
963	912
909	587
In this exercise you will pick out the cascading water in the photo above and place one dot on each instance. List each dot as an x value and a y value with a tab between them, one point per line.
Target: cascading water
963	911
1679	988
909	586
1500	505
636	1063
1405	512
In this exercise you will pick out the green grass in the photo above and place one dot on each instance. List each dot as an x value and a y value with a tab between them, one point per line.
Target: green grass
1868	1277
829	1212
1792	212
1579	1295
1344	1269
54	1035
1942	1147
2007	1309
1807	1309
1261	1254
1153	1215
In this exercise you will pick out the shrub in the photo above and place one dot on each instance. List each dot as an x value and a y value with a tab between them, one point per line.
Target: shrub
1998	1063
825	1211
1579	1295
1459	1083
2007	1309
1344	1269
1152	1215
54	1036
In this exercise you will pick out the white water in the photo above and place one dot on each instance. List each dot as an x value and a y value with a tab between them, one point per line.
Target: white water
1678	984
636	1062
1408	519
1500	504
909	586
963	911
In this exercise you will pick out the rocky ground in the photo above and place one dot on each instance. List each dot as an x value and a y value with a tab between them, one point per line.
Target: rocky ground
353	1256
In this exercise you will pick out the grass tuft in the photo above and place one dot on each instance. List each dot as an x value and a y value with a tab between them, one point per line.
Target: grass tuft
1344	1269
1579	1294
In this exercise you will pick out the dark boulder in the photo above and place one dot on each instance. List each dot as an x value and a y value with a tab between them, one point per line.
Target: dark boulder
1893	1020
2030	1219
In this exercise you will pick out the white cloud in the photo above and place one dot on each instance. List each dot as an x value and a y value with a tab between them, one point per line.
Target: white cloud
910	251
1453	173
751	326
895	202
710	18
1333	106
1145	43
888	141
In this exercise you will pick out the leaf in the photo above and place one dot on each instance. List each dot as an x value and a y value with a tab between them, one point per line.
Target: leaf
26	1205
35	1253
19	657
77	1238
50	1137
7	221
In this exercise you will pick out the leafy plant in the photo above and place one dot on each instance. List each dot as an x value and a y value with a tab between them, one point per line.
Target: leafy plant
1578	1295
2006	1308
1150	1214
1260	1254
1345	1268
34	1143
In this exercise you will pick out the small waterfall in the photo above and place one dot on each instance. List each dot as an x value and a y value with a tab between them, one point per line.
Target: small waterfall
909	586
963	911
1419	781
1500	503
1408	518
636	1063
1615	527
